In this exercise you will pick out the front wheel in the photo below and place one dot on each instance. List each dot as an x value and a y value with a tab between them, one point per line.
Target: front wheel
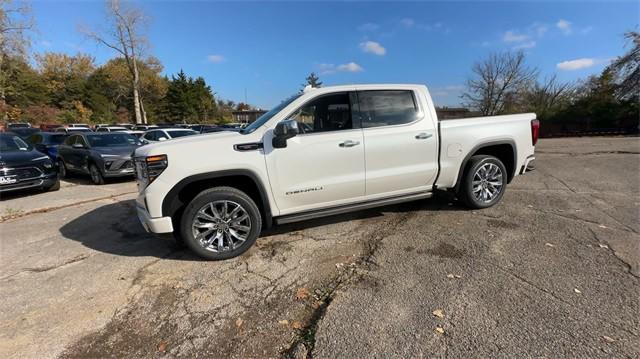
484	182
221	223
96	175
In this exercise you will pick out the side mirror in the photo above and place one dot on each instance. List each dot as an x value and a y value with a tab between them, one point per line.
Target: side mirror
77	145
284	130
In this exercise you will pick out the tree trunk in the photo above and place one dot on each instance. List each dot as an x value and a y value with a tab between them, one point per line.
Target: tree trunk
136	94
143	112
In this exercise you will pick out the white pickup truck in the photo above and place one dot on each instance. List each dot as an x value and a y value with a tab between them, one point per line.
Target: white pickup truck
323	152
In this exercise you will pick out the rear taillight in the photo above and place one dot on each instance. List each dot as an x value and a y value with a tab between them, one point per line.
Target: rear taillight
535	131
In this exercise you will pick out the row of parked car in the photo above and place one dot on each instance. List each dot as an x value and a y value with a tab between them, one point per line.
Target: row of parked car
32	158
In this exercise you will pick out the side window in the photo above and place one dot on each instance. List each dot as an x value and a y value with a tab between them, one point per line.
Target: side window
151	136
82	141
386	108
326	113
70	140
101	129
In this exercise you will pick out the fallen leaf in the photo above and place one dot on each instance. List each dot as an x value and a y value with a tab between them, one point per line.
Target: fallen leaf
162	346
302	293
603	245
530	206
458	276
549	245
283	322
438	313
439	330
296	325
577	290
450	276
239	322
608	339
602	226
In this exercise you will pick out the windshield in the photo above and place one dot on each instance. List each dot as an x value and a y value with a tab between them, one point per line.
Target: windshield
175	134
267	116
13	144
55	139
111	140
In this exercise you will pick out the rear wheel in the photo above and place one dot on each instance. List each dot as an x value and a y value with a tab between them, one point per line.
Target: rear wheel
96	175
221	223
62	169
483	182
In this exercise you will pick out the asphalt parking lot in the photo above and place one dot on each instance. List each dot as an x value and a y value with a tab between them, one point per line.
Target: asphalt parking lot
551	271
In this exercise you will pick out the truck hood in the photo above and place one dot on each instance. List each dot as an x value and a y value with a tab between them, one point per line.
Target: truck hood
214	142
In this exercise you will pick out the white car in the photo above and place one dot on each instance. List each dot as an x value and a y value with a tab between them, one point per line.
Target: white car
111	129
163	134
323	152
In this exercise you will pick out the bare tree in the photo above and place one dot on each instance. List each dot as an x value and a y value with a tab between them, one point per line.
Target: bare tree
546	97
497	81
15	22
627	68
124	36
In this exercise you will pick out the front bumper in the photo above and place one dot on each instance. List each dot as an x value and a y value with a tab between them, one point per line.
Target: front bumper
154	225
119	167
42	178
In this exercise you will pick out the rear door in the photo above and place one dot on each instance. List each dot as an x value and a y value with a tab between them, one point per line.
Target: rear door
400	142
324	165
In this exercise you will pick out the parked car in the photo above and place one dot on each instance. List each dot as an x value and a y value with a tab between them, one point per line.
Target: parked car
100	155
144	127
219	129
164	134
79	125
47	143
70	130
111	129
22	166
128	126
24	132
138	134
323	152
46	127
14	125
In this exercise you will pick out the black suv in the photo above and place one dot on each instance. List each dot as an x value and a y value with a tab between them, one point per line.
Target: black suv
98	154
22	166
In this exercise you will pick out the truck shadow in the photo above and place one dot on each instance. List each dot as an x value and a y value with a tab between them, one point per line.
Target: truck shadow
114	228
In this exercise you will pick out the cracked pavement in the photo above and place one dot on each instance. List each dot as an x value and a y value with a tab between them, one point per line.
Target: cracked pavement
551	271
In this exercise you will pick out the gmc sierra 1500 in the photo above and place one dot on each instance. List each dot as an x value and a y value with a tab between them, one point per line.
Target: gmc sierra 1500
321	152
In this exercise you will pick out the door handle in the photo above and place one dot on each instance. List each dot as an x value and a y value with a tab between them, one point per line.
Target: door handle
349	143
423	136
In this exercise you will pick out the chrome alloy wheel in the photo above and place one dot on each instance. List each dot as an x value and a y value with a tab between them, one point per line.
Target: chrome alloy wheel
221	226
487	182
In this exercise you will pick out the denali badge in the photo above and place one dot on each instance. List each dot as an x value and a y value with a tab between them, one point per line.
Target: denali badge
8	179
312	189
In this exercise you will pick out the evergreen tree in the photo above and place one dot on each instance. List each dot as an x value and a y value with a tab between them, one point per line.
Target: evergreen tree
312	80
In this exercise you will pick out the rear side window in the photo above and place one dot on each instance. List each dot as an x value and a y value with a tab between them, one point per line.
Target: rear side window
387	108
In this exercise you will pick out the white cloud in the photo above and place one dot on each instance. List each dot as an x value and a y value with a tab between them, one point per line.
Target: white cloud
525	45
373	48
327	69
350	67
512	36
369	27
407	22
215	58
564	26
540	29
577	64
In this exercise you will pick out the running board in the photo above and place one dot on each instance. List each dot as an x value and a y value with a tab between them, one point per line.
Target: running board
296	217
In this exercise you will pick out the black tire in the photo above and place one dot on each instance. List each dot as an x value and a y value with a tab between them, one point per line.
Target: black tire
54	187
220	195
62	169
96	175
473	198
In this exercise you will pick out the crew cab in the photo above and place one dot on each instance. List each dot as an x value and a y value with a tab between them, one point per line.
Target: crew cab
323	152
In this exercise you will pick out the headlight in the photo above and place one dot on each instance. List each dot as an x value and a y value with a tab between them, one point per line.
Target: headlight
154	166
46	161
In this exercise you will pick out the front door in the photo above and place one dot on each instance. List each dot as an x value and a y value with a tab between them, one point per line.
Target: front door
323	166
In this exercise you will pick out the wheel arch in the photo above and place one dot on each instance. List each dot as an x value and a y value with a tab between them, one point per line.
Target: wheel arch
247	181
505	150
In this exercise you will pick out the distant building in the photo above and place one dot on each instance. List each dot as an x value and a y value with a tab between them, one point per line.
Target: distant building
247	116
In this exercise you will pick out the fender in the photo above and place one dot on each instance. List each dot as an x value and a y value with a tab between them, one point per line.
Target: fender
171	202
477	147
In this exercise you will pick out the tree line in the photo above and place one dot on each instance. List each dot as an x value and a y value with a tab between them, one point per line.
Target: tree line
503	83
56	87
